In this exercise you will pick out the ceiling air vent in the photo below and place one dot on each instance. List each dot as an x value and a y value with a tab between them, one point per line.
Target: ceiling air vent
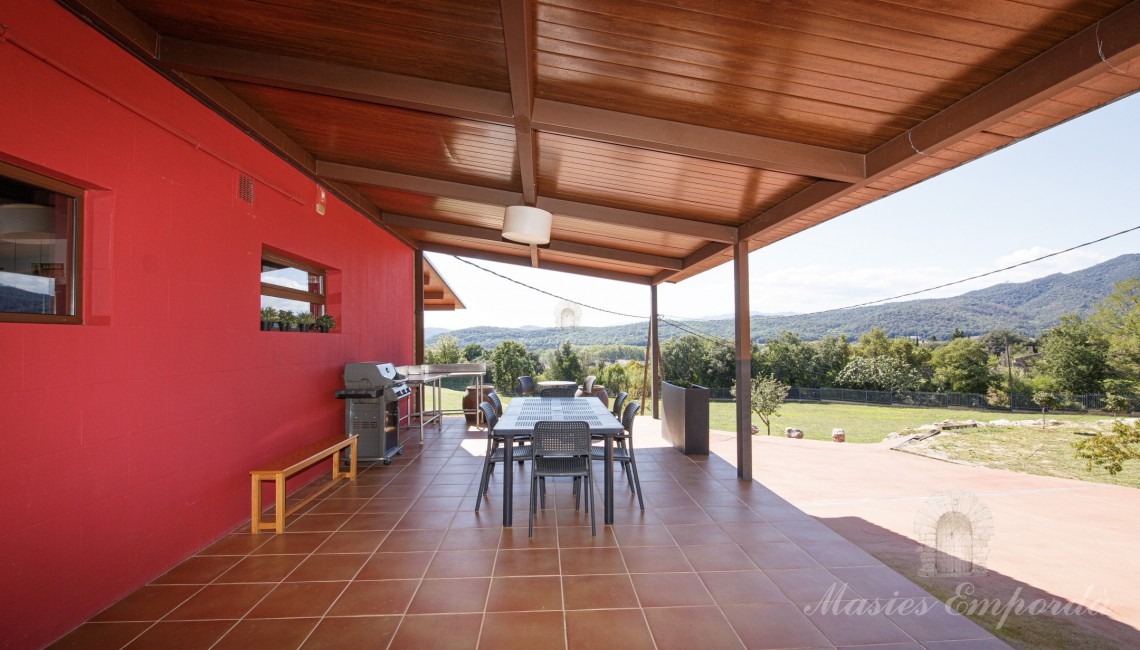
245	188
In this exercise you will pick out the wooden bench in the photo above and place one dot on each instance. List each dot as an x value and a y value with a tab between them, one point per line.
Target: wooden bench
289	465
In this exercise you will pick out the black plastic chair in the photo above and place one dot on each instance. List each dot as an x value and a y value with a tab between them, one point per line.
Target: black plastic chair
619	402
558	391
495	453
561	449
526	385
495	401
624	454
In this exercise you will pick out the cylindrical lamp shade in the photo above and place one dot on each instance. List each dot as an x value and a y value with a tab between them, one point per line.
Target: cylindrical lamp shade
27	223
527	225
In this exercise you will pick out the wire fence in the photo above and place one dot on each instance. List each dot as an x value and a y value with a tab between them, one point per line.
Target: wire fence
1021	402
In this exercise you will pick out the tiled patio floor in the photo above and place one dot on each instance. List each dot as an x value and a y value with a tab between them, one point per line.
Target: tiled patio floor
399	559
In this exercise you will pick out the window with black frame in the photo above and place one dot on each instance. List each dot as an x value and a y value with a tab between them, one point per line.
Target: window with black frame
40	225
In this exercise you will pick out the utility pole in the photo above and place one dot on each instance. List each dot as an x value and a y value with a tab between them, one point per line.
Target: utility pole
1009	369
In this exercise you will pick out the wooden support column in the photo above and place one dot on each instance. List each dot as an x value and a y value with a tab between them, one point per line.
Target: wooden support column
743	363
655	355
418	307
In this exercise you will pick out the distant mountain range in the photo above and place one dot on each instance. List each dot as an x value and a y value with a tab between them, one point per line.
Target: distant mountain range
1026	307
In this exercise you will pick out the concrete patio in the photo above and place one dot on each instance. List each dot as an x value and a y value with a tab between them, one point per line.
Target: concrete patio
399	559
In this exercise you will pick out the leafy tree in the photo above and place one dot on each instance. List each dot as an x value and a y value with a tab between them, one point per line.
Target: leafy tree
474	352
831	355
961	366
615	378
994	342
1046	399
510	361
1075	355
445	350
788	359
683	360
565	364
720	367
1117	317
873	344
1111	452
768	394
957	334
878	373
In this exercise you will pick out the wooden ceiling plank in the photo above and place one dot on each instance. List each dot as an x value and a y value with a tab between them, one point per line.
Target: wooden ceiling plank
697	141
502	258
416	184
336	80
433	295
692	228
518	37
1067	64
491	234
116	21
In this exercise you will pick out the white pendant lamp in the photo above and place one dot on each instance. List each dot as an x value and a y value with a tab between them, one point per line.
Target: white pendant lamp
27	223
527	225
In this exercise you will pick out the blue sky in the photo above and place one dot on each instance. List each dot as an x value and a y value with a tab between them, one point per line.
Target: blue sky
1074	183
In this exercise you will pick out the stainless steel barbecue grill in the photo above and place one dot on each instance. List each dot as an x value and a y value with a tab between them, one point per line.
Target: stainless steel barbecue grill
372	395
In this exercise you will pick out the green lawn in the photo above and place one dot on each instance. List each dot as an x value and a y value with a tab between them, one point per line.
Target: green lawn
862	423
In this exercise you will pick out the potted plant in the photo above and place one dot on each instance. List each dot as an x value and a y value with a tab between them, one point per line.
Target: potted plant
305	319
288	320
269	316
325	322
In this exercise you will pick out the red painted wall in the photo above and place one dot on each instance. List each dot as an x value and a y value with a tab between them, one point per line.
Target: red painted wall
126	442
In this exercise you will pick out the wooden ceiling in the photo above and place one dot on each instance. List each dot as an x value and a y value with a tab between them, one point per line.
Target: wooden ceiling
659	133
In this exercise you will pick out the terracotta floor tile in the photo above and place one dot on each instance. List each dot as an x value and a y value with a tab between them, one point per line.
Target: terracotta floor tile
931	620
839	554
807	586
878	582
753	532
412	540
335	505
352	632
580	537
541	593
785	555
352	542
462	539
608	628
450	596
298	600
374	521
530	562
774	626
523	630
655	559
425	520
398	505
670	590
375	597
100	636
579	561
236	544
261	568
181	635
694	534
267	633
315	523
718	557
439	503
198	570
691	627
462	564
853	626
614	591
292	543
341	566
395	566
731	514
648	535
742	587
221	601
148	603
688	515
981	644
516	537
438	632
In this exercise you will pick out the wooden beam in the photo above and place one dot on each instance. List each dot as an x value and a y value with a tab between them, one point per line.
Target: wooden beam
743	336
703	253
433	295
335	80
447	307
1065	65
417	184
418	296
502	258
661	223
491	234
122	26
697	141
518	36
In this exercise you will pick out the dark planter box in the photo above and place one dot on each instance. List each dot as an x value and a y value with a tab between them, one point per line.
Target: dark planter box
685	418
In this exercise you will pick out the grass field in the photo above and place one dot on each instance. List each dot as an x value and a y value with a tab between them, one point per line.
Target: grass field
862	423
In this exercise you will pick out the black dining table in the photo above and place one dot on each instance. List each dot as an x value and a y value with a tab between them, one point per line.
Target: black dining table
519	418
